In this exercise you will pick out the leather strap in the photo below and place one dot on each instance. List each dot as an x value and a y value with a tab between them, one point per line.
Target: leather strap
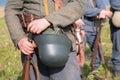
92	3
45	3
97	43
96	46
58	4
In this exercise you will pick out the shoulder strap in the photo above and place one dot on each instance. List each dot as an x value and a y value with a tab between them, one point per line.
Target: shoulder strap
92	3
58	4
45	3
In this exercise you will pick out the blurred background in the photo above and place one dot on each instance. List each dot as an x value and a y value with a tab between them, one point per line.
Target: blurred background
3	3
10	61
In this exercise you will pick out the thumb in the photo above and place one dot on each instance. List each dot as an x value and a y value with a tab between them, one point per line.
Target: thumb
34	44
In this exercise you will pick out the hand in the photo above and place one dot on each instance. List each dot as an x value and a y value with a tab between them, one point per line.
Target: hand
37	26
104	13
79	22
108	13
25	46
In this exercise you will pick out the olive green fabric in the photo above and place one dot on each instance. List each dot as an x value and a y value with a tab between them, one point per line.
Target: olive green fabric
116	19
72	10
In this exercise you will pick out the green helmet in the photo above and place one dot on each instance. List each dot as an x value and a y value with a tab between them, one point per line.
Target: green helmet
53	49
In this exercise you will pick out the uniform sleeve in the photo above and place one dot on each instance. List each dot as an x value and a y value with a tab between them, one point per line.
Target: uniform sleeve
68	14
99	6
12	8
115	4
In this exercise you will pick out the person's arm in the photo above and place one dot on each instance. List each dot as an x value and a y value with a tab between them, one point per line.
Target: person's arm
68	14
17	34
99	6
115	4
12	8
62	17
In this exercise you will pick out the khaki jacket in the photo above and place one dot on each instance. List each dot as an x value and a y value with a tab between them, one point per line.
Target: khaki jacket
72	10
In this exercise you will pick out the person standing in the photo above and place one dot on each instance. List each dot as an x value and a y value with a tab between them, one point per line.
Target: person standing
47	22
95	10
115	31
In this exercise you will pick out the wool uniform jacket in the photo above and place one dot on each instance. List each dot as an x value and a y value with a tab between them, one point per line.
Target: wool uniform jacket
72	10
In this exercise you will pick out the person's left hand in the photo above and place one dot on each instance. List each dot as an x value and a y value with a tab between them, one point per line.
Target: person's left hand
79	23
37	26
25	46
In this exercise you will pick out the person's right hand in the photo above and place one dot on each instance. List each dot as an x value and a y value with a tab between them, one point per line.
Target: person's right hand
108	13
104	13
25	46
38	25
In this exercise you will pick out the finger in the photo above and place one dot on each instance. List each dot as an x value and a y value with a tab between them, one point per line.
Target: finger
38	31
29	49
24	50
29	26
29	46
82	23
34	44
33	29
27	52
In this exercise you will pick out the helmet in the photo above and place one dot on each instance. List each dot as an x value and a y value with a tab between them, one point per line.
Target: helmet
53	49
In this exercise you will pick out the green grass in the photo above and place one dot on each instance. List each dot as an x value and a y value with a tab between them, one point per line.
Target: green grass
10	62
10	65
105	70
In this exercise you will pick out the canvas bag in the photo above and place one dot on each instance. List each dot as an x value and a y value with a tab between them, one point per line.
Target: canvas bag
116	19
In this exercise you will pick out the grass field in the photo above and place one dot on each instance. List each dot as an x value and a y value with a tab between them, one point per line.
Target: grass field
11	67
